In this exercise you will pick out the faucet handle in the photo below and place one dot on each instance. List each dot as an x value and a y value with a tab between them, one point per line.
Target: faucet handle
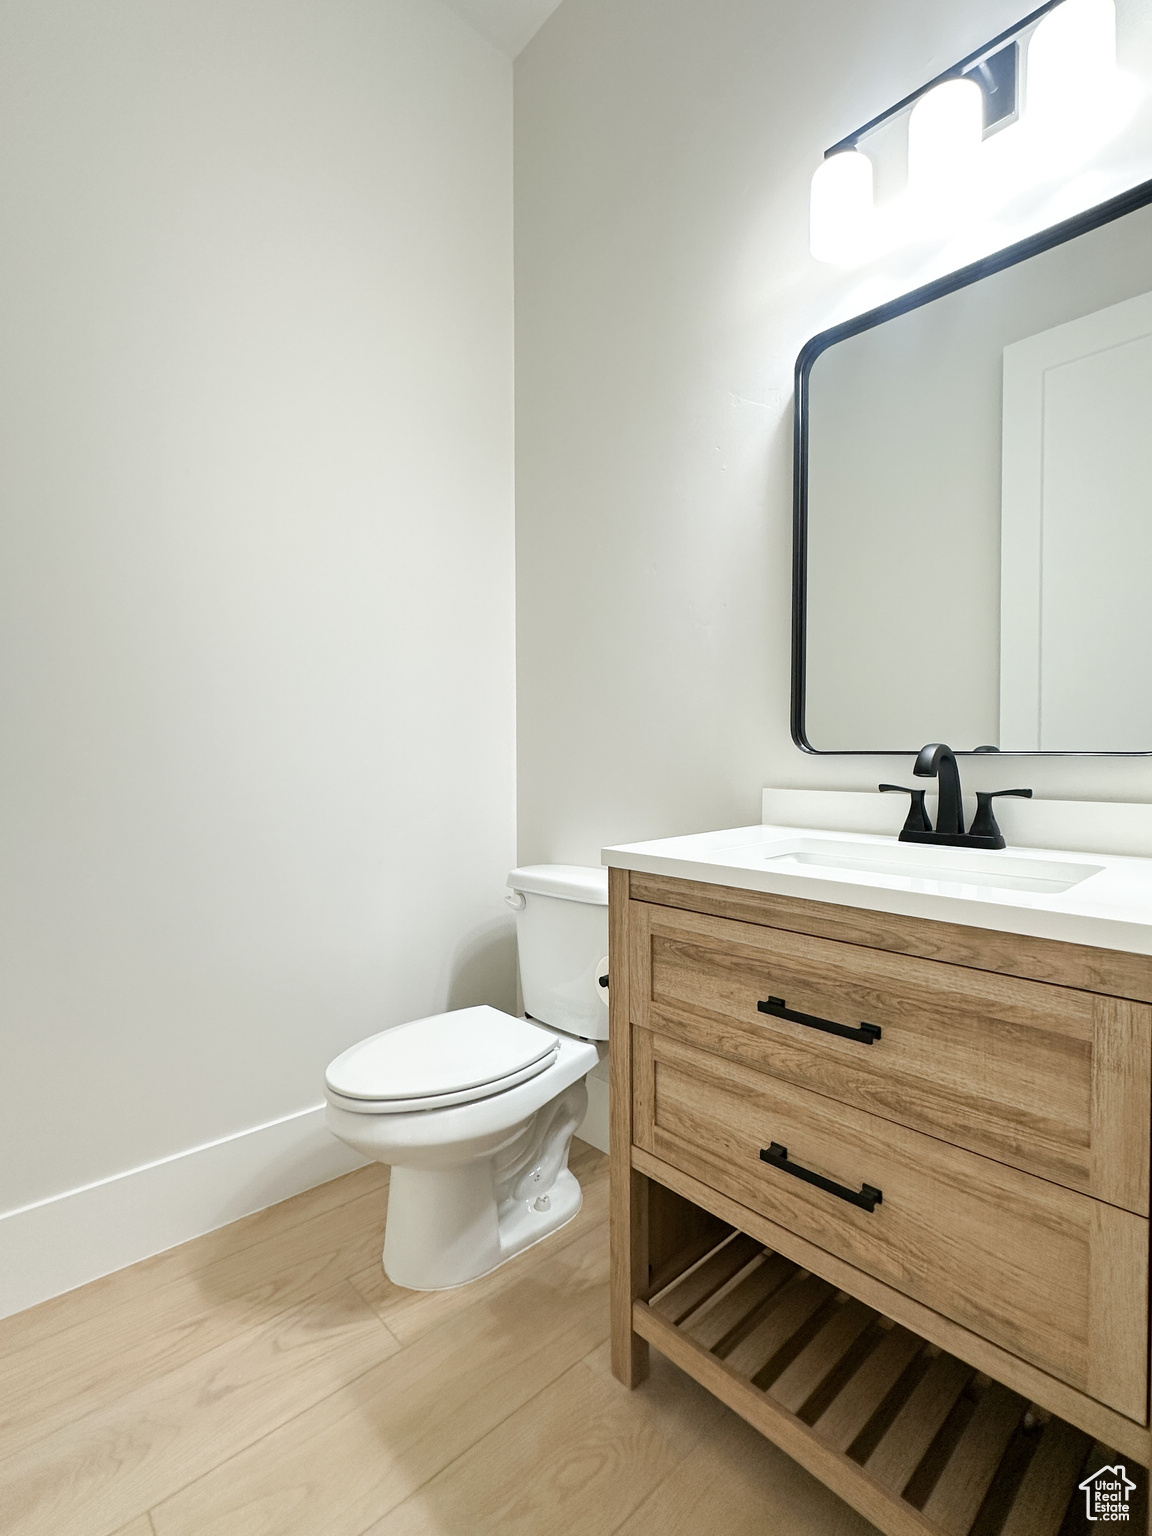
984	822
917	811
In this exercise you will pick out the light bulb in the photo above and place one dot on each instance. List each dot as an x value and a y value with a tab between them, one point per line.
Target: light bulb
945	130
840	207
1071	59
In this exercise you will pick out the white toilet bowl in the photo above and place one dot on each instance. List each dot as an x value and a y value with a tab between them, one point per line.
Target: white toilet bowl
474	1110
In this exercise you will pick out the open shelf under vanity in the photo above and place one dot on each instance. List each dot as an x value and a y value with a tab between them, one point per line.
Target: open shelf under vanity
914	1438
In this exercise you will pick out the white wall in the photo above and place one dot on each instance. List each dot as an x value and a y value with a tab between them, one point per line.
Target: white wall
664	288
507	23
256	562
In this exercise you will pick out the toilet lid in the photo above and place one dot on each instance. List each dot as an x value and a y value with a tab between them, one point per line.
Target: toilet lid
448	1054
440	1100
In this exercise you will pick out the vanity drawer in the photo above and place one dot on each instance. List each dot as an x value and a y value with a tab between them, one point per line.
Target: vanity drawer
1051	1080
1050	1275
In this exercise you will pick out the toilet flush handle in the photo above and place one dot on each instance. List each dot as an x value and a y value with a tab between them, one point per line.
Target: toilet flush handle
602	980
516	901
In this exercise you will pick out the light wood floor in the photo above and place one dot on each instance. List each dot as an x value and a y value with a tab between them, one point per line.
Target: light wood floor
267	1380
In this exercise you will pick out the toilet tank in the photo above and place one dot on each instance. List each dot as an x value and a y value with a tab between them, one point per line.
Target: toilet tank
562	938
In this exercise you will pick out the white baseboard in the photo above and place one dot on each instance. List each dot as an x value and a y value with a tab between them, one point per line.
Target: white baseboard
65	1241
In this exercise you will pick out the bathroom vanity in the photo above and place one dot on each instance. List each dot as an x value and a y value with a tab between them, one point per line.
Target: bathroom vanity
880	1111
881	1157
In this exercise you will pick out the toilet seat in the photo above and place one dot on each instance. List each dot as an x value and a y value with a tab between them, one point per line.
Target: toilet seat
449	1058
440	1100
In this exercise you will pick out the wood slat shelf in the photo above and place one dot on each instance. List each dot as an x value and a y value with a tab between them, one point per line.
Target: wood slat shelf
918	1441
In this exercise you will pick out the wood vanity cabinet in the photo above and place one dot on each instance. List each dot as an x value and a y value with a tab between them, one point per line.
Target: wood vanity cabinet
882	1184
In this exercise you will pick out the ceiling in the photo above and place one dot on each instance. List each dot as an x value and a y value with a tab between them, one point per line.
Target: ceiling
507	23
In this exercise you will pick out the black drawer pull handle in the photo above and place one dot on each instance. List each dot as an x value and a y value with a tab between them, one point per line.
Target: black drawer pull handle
866	1034
868	1197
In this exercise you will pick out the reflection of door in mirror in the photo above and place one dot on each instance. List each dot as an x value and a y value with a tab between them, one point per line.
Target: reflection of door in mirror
1076	535
974	505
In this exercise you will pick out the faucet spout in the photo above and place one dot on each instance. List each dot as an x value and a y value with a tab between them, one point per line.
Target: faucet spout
936	761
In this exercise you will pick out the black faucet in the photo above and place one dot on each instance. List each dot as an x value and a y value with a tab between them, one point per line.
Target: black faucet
936	761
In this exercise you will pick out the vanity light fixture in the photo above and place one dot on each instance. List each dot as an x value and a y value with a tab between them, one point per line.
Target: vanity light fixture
841	206
1045	80
945	129
1071	59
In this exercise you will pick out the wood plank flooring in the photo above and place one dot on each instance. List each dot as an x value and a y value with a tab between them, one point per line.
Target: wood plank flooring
269	1380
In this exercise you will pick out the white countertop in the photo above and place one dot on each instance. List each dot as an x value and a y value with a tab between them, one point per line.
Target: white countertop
1110	907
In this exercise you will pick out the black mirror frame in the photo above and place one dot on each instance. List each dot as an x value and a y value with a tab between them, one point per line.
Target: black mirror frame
1057	234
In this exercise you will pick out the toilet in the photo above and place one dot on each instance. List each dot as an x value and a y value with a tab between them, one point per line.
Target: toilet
474	1110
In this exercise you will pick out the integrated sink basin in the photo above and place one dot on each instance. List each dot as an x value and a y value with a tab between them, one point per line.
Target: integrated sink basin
1094	898
911	867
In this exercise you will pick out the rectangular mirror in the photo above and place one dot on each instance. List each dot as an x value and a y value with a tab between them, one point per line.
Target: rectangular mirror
973	508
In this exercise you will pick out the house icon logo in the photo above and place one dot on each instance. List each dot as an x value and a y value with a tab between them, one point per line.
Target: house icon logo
1106	1493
